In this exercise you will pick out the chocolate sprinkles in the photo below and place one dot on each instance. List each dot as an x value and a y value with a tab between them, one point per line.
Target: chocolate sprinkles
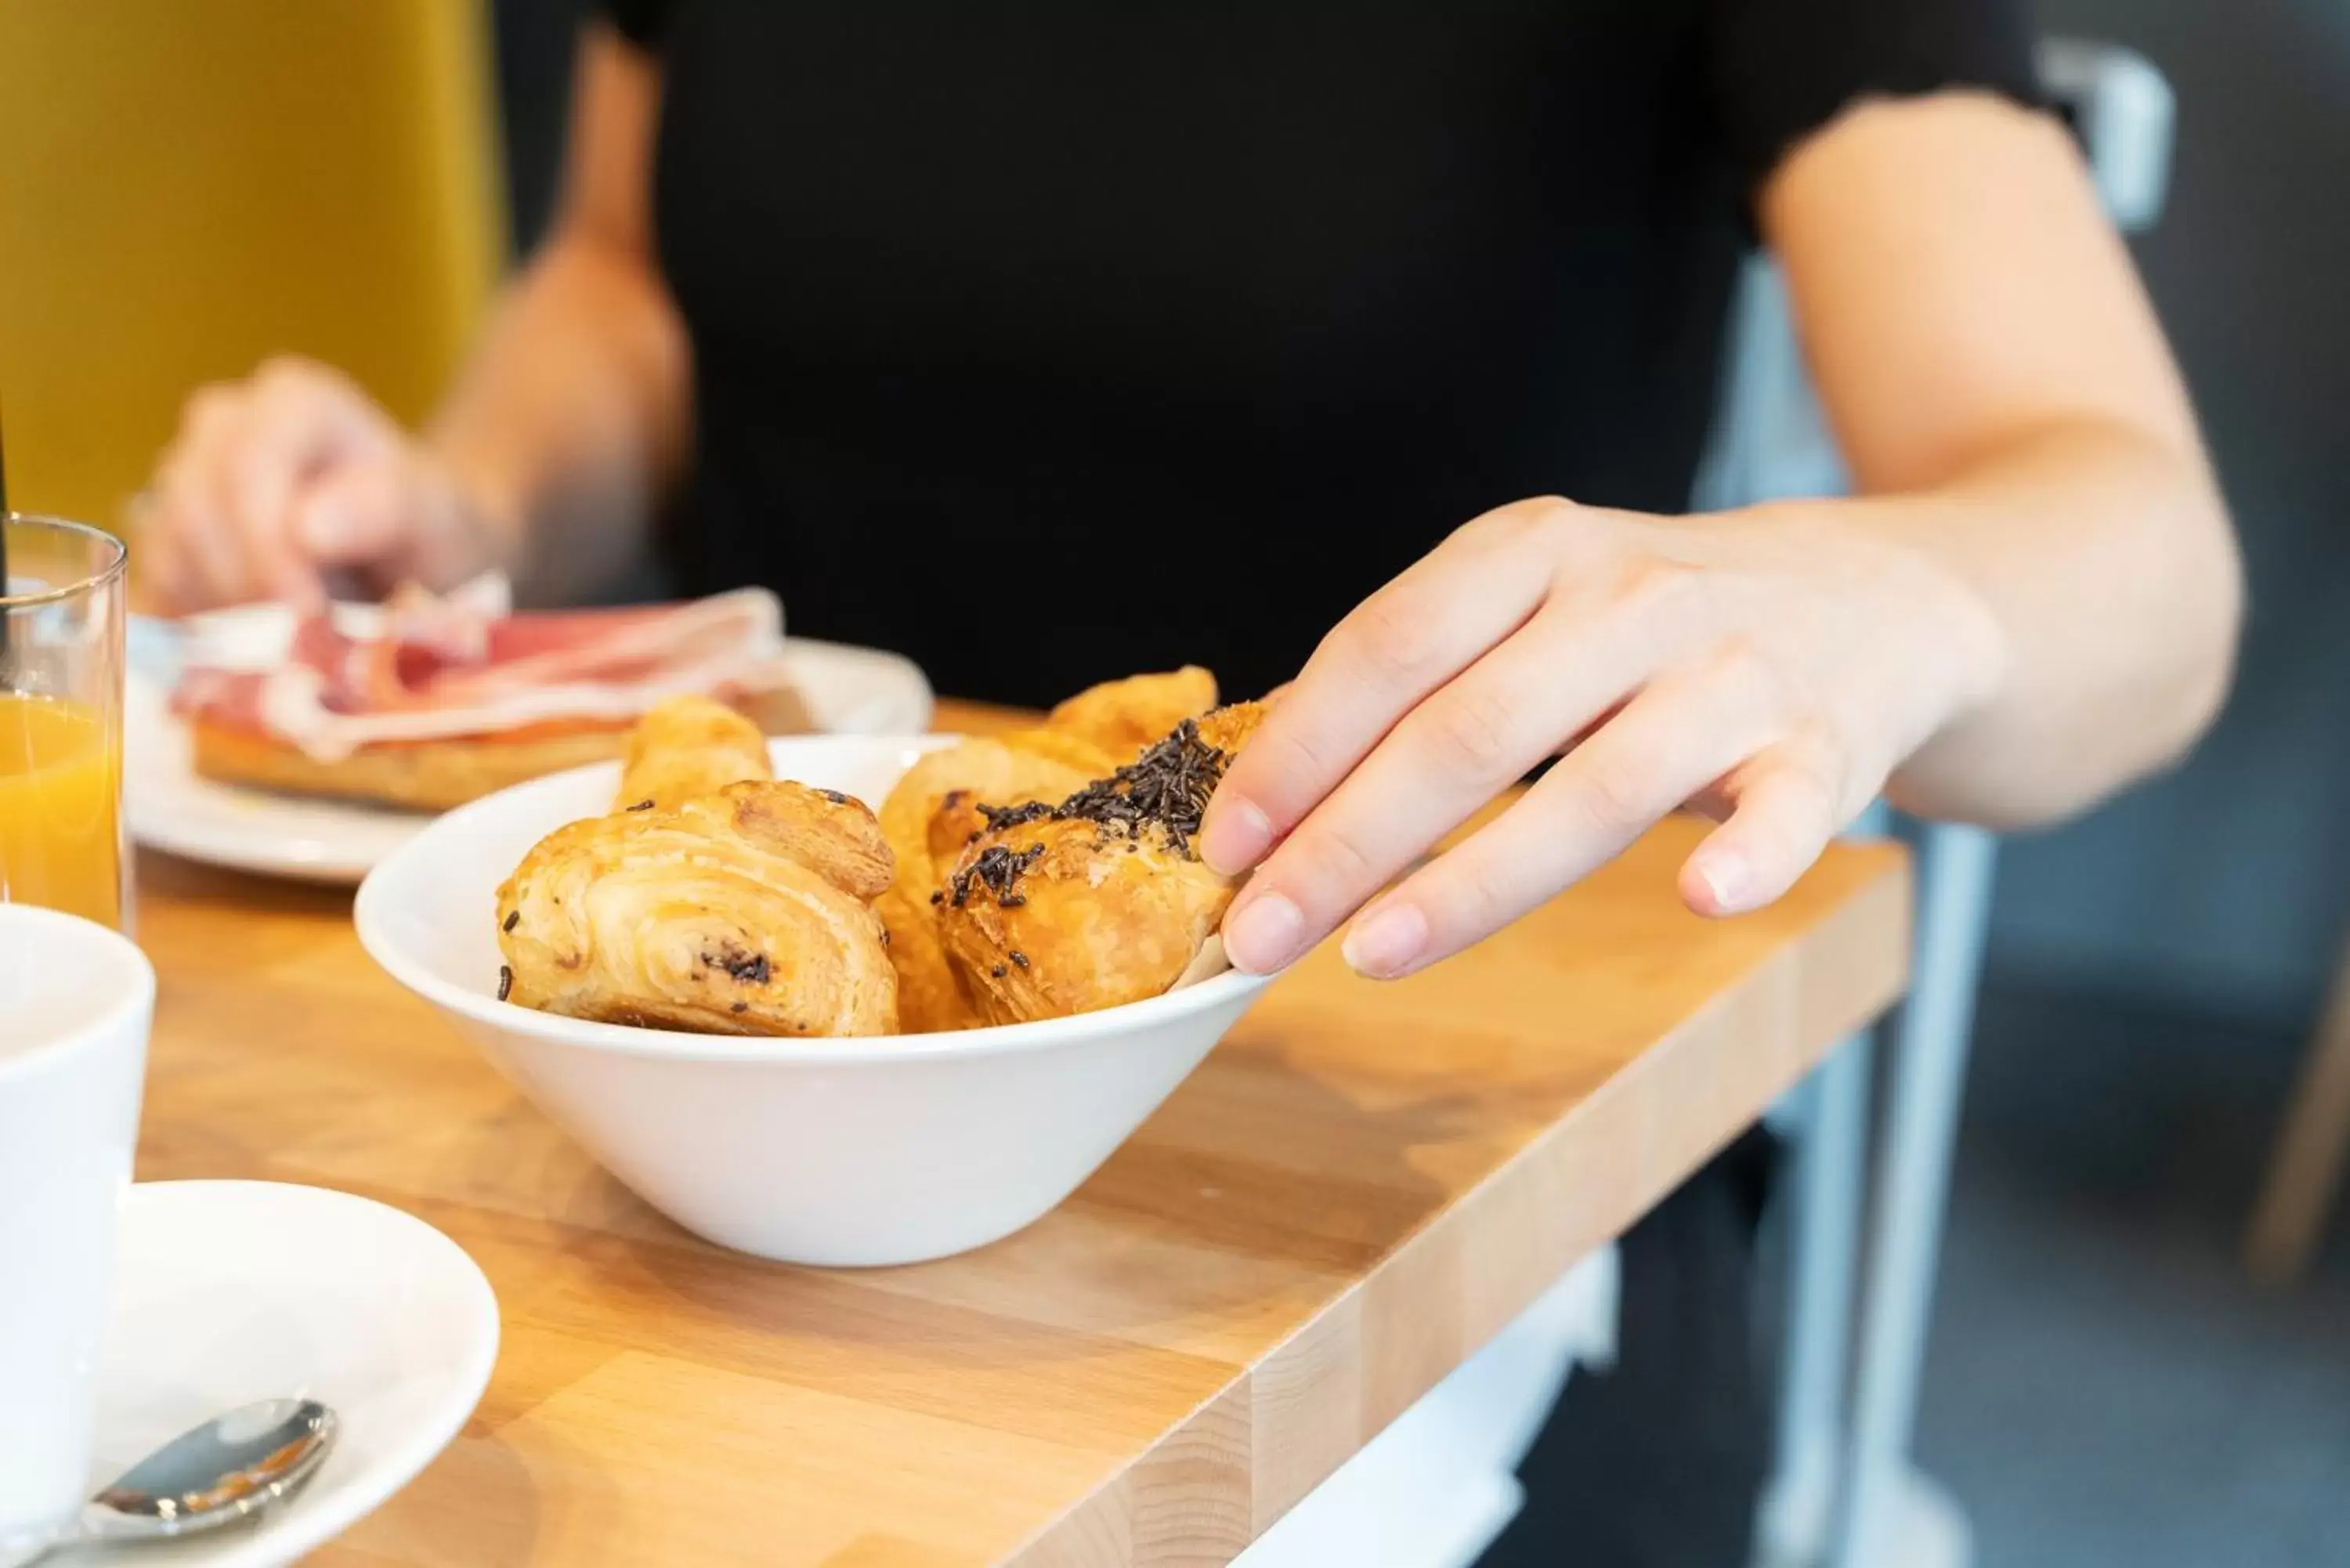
644	804
996	869
748	968
1166	788
1002	816
511	920
506	982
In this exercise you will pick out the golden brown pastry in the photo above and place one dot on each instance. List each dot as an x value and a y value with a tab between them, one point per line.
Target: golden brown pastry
1101	898
1013	769
1122	717
743	912
1229	728
1060	916
688	746
930	1000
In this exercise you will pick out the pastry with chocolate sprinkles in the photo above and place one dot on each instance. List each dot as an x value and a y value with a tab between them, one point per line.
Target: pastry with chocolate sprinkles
997	868
1099	899
1168	786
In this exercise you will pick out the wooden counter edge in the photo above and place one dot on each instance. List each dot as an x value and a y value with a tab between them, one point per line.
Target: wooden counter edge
1220	1477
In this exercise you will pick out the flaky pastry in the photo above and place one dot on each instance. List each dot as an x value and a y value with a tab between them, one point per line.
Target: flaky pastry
1026	765
743	912
1098	899
1122	717
688	746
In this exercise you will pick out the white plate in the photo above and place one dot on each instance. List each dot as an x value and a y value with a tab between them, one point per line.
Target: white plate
230	1291
848	691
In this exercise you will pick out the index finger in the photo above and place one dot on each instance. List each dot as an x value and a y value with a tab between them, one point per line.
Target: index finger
1411	636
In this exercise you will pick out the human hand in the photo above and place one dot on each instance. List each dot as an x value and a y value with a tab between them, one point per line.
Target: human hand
1768	668
275	482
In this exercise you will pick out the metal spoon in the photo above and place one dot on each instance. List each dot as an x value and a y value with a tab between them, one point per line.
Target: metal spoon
231	1468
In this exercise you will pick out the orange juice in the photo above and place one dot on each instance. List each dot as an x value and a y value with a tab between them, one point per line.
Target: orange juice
60	792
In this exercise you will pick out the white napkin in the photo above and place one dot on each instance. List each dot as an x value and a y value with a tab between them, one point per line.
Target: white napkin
1208	962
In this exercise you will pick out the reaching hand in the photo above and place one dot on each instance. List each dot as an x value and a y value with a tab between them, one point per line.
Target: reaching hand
274	483
1768	668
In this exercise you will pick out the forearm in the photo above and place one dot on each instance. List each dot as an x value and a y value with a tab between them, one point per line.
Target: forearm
2106	560
571	418
1998	380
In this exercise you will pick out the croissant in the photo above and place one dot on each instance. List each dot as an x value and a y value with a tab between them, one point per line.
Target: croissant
1034	764
1101	899
1122	717
743	912
688	746
1229	728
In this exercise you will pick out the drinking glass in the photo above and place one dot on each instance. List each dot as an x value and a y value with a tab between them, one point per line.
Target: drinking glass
61	663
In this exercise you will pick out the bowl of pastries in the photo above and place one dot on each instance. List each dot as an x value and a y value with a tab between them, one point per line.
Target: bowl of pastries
840	999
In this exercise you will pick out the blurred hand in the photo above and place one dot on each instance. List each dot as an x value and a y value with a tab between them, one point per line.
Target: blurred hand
1770	668
275	484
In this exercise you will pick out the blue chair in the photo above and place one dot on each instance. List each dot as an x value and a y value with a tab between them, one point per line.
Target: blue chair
1844	1493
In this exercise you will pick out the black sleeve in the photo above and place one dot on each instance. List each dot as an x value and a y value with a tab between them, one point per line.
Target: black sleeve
1783	68
641	22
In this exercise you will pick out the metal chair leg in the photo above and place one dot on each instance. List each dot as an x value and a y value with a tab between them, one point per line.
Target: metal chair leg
1955	867
1794	1522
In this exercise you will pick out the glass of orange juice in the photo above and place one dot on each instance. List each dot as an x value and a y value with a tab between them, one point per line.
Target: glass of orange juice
61	620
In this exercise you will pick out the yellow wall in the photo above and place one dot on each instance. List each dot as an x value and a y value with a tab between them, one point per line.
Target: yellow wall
189	185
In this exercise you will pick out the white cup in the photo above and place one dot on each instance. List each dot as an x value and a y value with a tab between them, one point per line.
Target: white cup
75	1002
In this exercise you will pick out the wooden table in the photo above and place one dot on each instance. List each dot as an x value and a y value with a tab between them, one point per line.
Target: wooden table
1360	1186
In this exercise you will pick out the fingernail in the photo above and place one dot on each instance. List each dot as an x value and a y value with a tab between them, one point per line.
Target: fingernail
1387	941
1729	879
1236	835
1262	935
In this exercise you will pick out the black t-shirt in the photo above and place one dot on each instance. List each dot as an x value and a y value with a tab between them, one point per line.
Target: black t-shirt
1048	342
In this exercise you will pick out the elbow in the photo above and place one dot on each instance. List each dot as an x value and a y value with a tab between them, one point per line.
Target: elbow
2159	692
2185	672
2203	639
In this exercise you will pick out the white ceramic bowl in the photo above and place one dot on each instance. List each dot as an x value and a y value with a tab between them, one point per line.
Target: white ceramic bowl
840	1152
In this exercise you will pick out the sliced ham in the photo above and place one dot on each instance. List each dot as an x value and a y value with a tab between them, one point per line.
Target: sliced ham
443	668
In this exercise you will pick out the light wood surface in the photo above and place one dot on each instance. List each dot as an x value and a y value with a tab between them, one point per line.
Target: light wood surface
1356	1189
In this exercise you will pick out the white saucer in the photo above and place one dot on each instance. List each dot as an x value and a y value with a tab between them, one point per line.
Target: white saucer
229	1291
849	690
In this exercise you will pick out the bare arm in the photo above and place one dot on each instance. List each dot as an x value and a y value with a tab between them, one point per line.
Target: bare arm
1996	376
573	416
2034	601
547	458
